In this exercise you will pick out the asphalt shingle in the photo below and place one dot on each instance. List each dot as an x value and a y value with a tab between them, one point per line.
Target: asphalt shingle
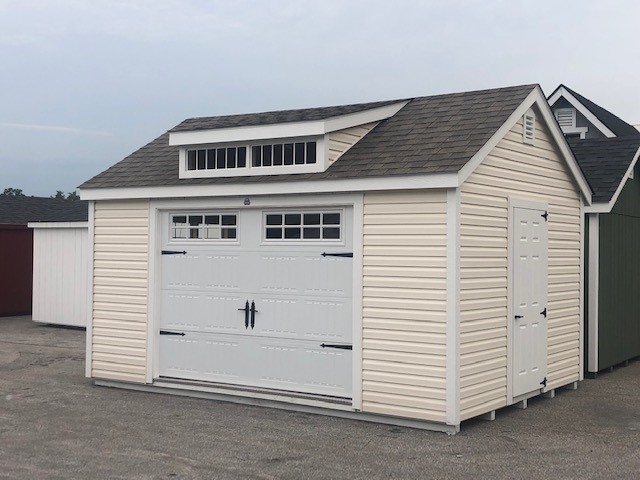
604	162
20	210
436	134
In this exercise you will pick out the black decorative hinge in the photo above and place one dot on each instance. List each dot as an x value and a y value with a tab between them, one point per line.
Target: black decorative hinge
518	316
544	382
325	254
173	252
341	347
168	332
545	215
544	312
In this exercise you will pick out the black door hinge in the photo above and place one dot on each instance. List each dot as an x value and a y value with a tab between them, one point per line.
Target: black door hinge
518	316
253	314
246	314
544	312
545	215
341	347
544	382
173	252
168	332
325	254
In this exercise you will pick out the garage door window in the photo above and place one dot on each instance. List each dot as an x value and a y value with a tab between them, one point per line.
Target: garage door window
207	226
303	226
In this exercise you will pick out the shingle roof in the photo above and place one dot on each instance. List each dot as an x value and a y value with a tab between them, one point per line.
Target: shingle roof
436	134
21	210
618	126
604	162
280	116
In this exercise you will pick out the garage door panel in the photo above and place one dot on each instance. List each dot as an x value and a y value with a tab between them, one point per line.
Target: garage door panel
302	274
322	319
197	311
201	271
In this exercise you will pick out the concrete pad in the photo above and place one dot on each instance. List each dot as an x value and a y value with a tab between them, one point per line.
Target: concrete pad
56	424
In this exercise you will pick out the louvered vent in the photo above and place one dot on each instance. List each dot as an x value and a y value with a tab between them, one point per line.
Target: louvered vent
529	128
566	117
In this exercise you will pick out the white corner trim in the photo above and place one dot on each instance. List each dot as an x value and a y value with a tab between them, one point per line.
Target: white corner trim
453	308
582	288
58	224
89	273
593	286
535	97
284	130
153	307
357	300
563	92
602	207
361	184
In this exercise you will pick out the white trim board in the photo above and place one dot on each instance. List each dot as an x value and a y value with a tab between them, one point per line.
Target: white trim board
593	286
90	261
362	184
58	224
453	308
562	92
284	130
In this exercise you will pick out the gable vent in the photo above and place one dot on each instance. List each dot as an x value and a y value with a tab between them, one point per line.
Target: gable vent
529	128
566	117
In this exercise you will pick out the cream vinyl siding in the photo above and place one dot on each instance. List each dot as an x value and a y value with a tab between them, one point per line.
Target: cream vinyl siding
119	330
533	172
343	140
404	302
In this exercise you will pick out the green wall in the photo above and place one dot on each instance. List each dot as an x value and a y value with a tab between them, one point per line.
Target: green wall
619	295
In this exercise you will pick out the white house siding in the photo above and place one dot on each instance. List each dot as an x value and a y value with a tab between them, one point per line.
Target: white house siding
120	279
60	262
404	302
526	172
342	140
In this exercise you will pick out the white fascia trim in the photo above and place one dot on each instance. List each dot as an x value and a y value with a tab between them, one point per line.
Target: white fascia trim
58	224
593	286
535	97
562	92
440	180
582	288
607	207
453	308
284	130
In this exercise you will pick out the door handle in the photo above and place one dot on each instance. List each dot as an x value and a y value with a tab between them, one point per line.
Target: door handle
518	316
246	314
253	313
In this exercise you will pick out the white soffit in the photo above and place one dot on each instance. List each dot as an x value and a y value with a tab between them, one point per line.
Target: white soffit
562	92
284	130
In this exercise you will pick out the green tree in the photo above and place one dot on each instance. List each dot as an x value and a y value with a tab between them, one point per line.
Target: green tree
73	196
13	192
59	195
69	196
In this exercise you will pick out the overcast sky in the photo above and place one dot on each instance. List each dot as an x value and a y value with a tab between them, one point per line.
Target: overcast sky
86	82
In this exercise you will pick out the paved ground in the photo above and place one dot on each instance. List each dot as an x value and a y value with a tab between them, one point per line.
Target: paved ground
55	424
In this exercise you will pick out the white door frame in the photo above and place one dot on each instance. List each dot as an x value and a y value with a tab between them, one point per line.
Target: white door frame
158	207
513	204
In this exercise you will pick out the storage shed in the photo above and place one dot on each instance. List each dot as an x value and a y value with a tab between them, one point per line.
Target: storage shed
606	148
60	272
415	261
16	244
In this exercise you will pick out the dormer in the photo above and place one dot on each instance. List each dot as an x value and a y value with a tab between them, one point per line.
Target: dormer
307	141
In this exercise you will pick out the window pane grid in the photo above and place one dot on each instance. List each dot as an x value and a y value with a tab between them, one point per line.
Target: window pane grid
302	226
267	155
216	158
208	226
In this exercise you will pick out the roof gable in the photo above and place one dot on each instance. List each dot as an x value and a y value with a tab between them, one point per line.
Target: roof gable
609	124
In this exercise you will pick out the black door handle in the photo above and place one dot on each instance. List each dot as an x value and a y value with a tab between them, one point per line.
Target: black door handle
246	314
518	316
253	314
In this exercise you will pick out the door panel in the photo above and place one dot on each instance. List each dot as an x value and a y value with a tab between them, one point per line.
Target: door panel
529	300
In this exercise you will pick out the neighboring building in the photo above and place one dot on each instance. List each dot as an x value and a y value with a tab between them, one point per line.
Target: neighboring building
607	150
16	244
413	261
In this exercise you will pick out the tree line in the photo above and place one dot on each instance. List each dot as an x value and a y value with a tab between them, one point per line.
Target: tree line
17	192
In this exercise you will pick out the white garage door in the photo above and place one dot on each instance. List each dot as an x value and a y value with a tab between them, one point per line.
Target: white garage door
258	298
